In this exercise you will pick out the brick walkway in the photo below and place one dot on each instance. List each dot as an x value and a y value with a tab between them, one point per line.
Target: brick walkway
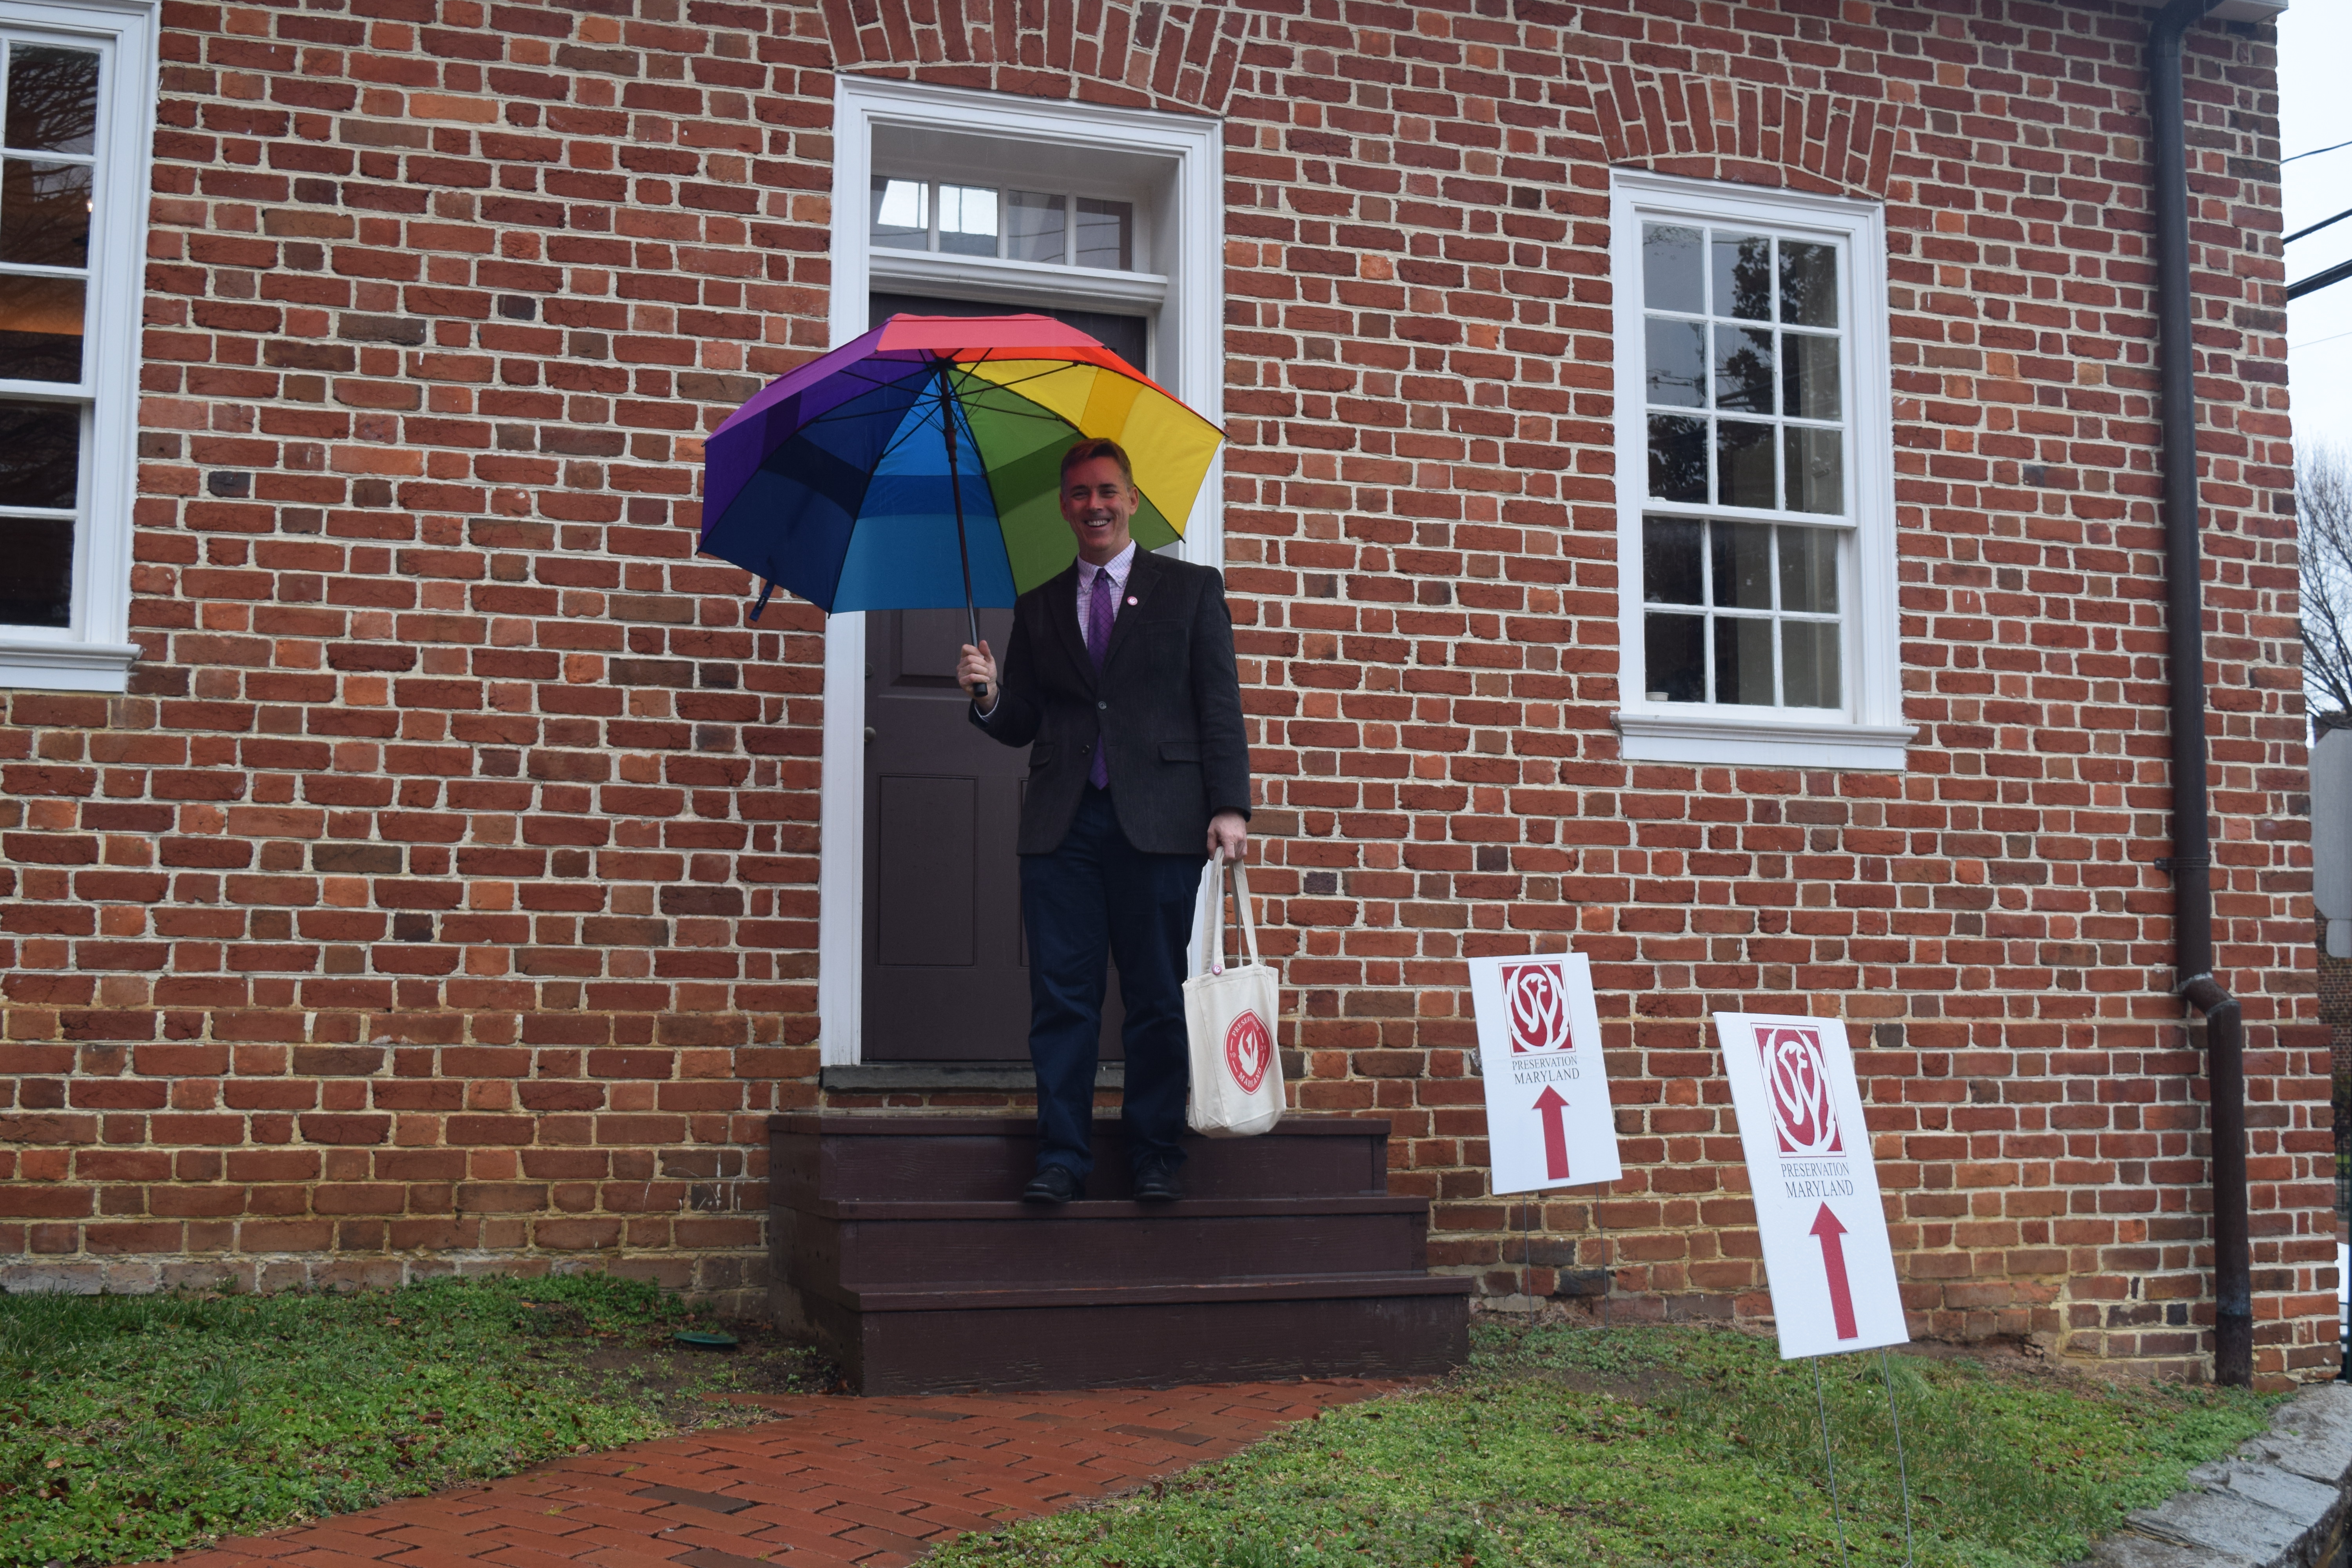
870	1481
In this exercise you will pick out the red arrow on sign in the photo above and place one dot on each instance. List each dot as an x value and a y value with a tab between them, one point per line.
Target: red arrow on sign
1826	1226
1549	1104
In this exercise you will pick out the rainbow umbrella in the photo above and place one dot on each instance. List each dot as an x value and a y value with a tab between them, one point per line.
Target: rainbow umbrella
919	467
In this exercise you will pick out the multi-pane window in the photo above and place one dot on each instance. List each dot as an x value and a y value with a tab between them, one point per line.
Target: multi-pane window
49	180
1013	225
1746	418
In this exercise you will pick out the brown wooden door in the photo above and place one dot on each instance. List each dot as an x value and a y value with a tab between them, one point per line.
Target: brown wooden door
946	974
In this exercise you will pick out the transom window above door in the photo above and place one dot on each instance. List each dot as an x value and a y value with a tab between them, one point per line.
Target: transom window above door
1057	227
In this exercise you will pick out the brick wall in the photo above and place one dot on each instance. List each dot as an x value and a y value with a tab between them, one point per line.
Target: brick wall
443	892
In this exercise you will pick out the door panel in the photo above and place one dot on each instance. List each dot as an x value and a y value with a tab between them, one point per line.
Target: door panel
945	966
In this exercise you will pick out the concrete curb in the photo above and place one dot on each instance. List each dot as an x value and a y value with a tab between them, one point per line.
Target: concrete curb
2280	1503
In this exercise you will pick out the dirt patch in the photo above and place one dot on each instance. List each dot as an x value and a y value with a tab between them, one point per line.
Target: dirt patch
693	1387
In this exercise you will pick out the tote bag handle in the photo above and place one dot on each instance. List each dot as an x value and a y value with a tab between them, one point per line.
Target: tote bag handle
1212	952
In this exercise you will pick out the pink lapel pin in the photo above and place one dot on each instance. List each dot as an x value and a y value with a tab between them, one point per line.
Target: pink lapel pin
1131	599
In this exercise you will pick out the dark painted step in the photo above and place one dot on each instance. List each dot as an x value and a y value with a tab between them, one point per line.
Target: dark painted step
1109	1337
935	1158
875	1245
901	1242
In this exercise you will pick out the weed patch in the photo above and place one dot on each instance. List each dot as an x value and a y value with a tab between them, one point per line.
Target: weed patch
134	1426
1663	1447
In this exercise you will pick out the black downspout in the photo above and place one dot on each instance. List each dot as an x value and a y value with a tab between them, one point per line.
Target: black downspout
2191	861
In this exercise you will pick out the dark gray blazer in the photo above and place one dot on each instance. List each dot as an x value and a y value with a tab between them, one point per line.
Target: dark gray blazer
1168	704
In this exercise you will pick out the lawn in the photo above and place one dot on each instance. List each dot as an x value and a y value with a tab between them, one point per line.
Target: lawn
1668	1447
131	1425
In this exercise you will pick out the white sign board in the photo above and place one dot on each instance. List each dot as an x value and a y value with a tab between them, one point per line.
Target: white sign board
1547	1121
1809	1161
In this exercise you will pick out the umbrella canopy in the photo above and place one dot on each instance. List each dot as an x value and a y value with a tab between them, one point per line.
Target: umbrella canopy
919	467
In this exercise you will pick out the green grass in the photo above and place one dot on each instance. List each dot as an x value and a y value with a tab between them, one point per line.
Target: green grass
1671	1447
131	1425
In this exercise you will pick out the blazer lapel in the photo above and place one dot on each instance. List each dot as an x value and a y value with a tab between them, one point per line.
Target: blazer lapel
1142	576
1061	609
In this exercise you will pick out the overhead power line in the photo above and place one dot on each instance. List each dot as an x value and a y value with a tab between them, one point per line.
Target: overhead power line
2315	229
2318	281
2316	152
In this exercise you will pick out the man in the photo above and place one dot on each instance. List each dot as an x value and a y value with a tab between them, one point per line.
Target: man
1120	680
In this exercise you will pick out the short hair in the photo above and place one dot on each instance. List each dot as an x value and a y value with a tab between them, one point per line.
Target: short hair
1086	449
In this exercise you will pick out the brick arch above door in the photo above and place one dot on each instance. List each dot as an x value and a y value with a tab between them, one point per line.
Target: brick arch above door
1146	55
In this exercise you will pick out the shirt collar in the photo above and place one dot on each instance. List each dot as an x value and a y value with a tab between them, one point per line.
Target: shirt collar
1118	567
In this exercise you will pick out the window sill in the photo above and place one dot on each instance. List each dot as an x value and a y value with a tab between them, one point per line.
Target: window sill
1028	282
29	666
1762	744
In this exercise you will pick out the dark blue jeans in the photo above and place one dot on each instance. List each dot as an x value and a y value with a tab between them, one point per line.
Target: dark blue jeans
1098	896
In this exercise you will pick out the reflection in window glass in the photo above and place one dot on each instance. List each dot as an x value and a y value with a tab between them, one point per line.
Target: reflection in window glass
1672	573
1677	363
44	212
1106	237
1743	369
967	220
40	454
1677	458
1035	226
1670	275
1743	660
52	99
1674	658
1743	464
36	588
1742	566
902	218
1808	570
40	327
1816	469
1809	375
1809	664
1743	277
1808	284
1741	613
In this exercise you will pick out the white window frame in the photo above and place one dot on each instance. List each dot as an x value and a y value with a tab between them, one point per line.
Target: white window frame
1185	305
1871	734
95	653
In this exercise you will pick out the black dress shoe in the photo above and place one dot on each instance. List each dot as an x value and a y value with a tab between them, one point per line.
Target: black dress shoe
1157	1181
1054	1184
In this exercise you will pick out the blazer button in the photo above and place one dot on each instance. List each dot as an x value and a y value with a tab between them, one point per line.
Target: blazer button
1102	705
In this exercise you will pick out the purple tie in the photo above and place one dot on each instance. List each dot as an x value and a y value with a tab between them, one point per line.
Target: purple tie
1098	616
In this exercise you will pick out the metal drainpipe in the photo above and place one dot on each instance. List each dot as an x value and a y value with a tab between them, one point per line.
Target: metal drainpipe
2191	861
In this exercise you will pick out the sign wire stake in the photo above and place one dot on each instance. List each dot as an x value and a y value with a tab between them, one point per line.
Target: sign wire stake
1608	1274
1821	1405
1902	1470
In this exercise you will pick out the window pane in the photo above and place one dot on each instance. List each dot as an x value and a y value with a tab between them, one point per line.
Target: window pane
1743	369
1743	463
1809	663
1743	277
1816	469
1670	269
1809	376
1677	458
1809	570
44	213
1808	284
40	327
1674	659
902	218
967	220
1743	660
40	453
1670	573
1743	565
37	587
52	98
1106	234
1677	362
1035	226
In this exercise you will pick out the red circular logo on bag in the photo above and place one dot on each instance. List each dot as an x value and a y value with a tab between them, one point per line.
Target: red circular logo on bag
1248	1047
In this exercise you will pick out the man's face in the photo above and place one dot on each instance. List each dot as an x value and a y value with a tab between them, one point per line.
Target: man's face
1097	501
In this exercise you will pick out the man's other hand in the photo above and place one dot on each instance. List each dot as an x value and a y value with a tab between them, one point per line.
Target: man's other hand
978	669
1228	831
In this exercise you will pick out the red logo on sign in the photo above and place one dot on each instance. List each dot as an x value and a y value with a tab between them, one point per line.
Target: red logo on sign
1534	999
1248	1047
1797	1083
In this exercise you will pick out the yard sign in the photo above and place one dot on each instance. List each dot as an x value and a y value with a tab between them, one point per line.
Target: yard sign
1826	1247
1547	1121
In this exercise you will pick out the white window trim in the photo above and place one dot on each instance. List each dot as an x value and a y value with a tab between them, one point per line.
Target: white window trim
1875	735
1189	361
96	652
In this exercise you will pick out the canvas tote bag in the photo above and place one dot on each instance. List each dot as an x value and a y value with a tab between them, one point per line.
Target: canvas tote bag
1229	1015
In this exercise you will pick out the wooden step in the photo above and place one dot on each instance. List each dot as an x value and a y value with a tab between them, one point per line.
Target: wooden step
868	1246
1098	1336
933	1157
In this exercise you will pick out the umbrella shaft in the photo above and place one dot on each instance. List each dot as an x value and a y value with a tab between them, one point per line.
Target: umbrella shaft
955	491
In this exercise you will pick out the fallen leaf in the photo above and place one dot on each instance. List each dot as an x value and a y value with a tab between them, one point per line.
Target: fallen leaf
55	1463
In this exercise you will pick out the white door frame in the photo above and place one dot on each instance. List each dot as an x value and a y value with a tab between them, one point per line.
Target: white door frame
1189	352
